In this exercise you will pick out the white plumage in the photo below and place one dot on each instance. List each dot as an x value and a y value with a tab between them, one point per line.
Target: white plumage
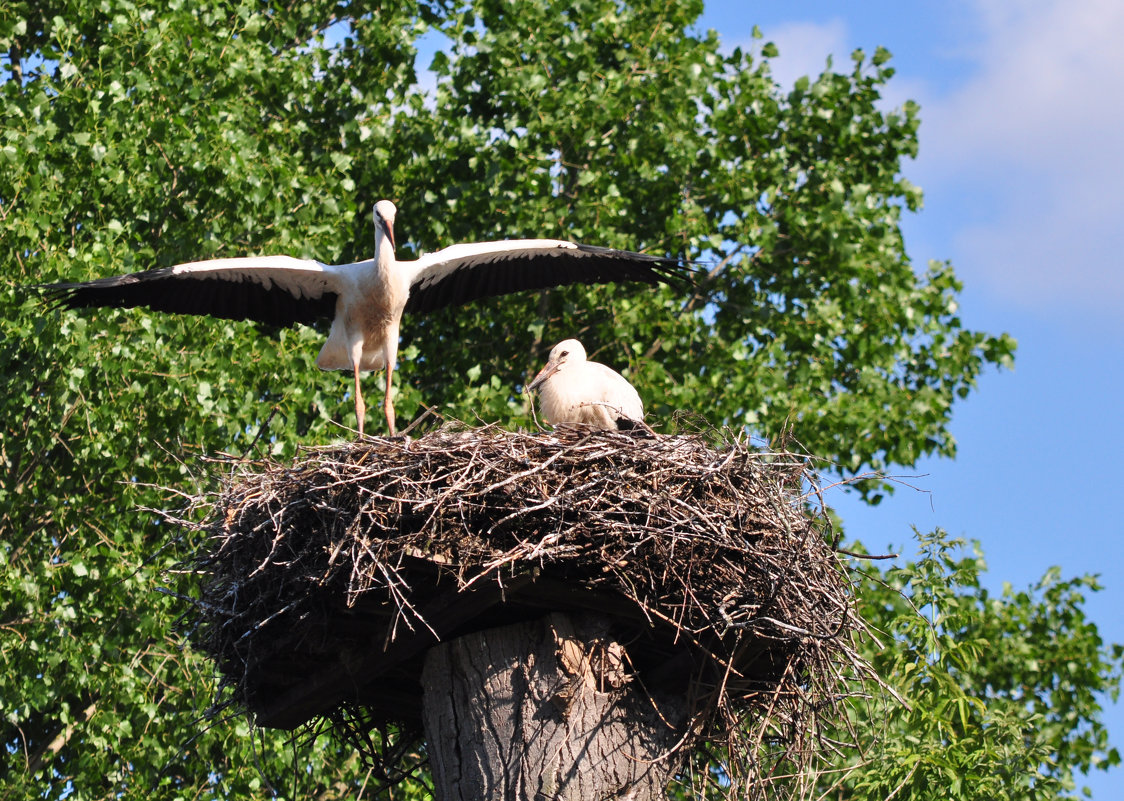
364	300
575	390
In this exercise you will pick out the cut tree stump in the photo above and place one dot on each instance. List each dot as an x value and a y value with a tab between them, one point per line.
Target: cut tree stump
545	710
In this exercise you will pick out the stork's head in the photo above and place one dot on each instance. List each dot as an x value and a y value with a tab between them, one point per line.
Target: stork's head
384	221
568	351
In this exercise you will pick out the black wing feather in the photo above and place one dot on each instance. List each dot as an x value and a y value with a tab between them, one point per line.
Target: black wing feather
504	272
188	293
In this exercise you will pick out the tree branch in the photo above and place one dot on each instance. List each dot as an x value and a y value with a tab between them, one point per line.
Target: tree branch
60	741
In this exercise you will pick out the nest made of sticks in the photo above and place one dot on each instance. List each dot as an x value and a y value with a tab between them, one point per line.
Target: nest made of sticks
323	582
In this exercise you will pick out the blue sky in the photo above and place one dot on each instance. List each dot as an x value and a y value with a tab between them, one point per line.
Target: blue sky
1021	162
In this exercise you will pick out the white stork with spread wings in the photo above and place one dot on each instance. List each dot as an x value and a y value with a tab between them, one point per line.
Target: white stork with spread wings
364	300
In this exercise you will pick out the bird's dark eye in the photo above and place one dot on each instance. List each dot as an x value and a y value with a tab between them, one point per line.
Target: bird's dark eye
563	354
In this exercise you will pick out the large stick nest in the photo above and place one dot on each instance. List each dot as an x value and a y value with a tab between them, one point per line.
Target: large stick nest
324	581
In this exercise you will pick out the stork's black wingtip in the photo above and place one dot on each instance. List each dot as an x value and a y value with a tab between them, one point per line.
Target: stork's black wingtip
679	274
54	296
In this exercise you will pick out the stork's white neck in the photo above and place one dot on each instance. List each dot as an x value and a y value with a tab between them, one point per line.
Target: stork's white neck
384	251
384	259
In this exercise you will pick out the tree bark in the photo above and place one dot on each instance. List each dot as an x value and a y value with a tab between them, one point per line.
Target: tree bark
545	710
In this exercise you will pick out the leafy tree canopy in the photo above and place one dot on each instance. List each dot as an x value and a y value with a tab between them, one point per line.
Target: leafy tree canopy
138	135
1001	690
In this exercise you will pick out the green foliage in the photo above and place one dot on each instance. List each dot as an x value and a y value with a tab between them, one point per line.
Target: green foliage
1001	693
986	697
154	135
627	131
138	134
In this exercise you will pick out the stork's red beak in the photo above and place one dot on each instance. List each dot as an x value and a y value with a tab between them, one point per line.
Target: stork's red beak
389	228
545	373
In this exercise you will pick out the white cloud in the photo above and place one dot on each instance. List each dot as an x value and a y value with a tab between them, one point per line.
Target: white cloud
1055	247
1021	157
1035	133
803	46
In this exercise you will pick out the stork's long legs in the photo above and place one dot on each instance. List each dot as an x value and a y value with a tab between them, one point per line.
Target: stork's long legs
387	406
360	406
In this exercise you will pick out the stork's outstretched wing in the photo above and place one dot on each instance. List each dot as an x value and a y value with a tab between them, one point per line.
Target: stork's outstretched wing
462	273
278	290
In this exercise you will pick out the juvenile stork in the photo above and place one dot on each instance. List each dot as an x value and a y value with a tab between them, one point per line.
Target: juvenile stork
364	300
574	390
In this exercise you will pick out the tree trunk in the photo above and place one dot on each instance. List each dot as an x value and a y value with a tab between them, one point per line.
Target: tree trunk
545	710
